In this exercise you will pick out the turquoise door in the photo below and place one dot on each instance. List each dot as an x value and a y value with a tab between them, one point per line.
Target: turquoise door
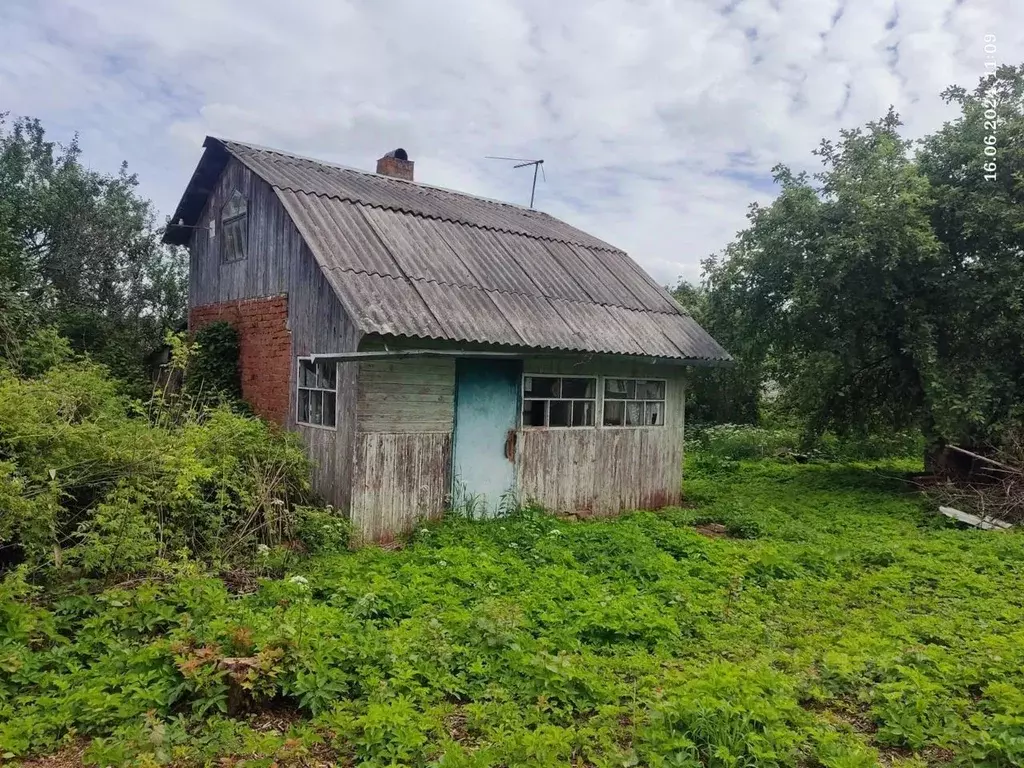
486	415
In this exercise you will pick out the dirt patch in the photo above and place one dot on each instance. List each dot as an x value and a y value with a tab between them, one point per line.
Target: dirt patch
712	530
66	757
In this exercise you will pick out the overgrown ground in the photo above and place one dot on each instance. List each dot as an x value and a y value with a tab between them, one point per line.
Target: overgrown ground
838	623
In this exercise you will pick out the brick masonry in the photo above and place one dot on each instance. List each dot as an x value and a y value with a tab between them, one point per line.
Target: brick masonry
265	355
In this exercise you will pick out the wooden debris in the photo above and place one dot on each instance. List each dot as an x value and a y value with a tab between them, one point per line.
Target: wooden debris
986	524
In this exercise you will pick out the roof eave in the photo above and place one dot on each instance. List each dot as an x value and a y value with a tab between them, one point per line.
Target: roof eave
193	200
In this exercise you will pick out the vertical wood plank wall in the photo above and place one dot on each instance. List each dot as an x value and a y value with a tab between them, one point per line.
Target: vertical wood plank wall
608	469
404	416
279	262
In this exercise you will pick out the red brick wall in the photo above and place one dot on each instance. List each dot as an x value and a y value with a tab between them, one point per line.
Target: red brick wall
265	355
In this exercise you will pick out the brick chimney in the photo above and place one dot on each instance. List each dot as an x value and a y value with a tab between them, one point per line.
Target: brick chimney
396	163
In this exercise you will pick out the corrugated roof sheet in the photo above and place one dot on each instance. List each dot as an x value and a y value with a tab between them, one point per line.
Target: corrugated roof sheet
407	259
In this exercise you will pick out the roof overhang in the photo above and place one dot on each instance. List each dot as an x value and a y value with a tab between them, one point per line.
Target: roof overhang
193	201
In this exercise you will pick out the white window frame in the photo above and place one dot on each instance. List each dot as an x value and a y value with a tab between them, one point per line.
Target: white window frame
523	399
299	387
598	400
644	401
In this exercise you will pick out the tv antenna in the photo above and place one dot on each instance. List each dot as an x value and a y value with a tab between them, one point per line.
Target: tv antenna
522	163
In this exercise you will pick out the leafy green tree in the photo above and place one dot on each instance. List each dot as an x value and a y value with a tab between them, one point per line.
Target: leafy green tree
718	395
79	251
885	291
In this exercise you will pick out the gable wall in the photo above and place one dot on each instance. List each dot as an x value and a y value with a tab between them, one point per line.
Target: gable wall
279	272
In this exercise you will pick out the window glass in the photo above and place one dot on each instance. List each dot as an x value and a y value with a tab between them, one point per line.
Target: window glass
559	401
619	389
582	413
541	386
234	228
634	403
533	413
316	398
558	415
614	413
578	388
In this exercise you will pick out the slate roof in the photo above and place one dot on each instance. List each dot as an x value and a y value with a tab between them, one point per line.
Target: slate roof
411	260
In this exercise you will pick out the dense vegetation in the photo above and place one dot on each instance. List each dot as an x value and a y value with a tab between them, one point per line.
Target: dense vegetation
838	623
885	292
79	252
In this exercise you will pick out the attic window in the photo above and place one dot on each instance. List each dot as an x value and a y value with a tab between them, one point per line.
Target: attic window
559	401
316	400
234	228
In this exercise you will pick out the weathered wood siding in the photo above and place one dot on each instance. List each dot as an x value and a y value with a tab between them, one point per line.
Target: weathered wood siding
400	479
411	395
279	262
404	415
272	240
604	470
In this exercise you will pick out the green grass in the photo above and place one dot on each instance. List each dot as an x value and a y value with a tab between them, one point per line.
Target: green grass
841	624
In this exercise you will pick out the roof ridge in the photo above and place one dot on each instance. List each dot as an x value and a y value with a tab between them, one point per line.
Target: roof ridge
446	284
385	177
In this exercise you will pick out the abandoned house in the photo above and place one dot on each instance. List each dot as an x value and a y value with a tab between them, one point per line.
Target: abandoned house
433	347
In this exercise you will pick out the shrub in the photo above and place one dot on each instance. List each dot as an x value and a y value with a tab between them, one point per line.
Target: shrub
213	362
91	480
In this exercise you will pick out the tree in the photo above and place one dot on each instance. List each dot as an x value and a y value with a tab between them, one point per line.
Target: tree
885	291
718	395
79	251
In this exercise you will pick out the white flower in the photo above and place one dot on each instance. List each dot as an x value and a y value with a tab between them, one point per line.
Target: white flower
442	563
514	545
555	532
263	550
301	581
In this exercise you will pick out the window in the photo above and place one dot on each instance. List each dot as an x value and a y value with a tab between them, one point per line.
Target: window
317	398
234	228
559	401
634	403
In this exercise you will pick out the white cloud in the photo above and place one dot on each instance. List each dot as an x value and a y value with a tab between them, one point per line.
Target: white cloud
659	120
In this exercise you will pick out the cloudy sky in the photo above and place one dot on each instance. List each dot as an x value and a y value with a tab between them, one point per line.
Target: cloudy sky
659	120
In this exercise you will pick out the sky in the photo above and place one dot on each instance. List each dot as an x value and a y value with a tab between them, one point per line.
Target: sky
659	121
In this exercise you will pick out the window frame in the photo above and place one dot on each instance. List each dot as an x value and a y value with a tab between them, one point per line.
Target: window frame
523	399
299	386
663	401
599	400
225	221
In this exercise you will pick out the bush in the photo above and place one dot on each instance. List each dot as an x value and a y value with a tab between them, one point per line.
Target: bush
94	482
737	442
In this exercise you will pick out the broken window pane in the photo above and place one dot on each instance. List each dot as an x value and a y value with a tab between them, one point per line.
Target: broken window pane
540	386
303	415
613	413
307	374
654	414
558	414
533	413
582	413
326	373
583	388
330	407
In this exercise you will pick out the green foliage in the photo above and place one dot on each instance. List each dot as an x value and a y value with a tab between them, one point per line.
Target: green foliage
734	442
79	252
849	629
213	364
885	292
93	483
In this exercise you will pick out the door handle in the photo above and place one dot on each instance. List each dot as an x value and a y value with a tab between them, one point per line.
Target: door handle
510	445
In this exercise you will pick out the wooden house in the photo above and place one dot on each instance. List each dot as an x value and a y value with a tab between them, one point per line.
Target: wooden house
437	348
